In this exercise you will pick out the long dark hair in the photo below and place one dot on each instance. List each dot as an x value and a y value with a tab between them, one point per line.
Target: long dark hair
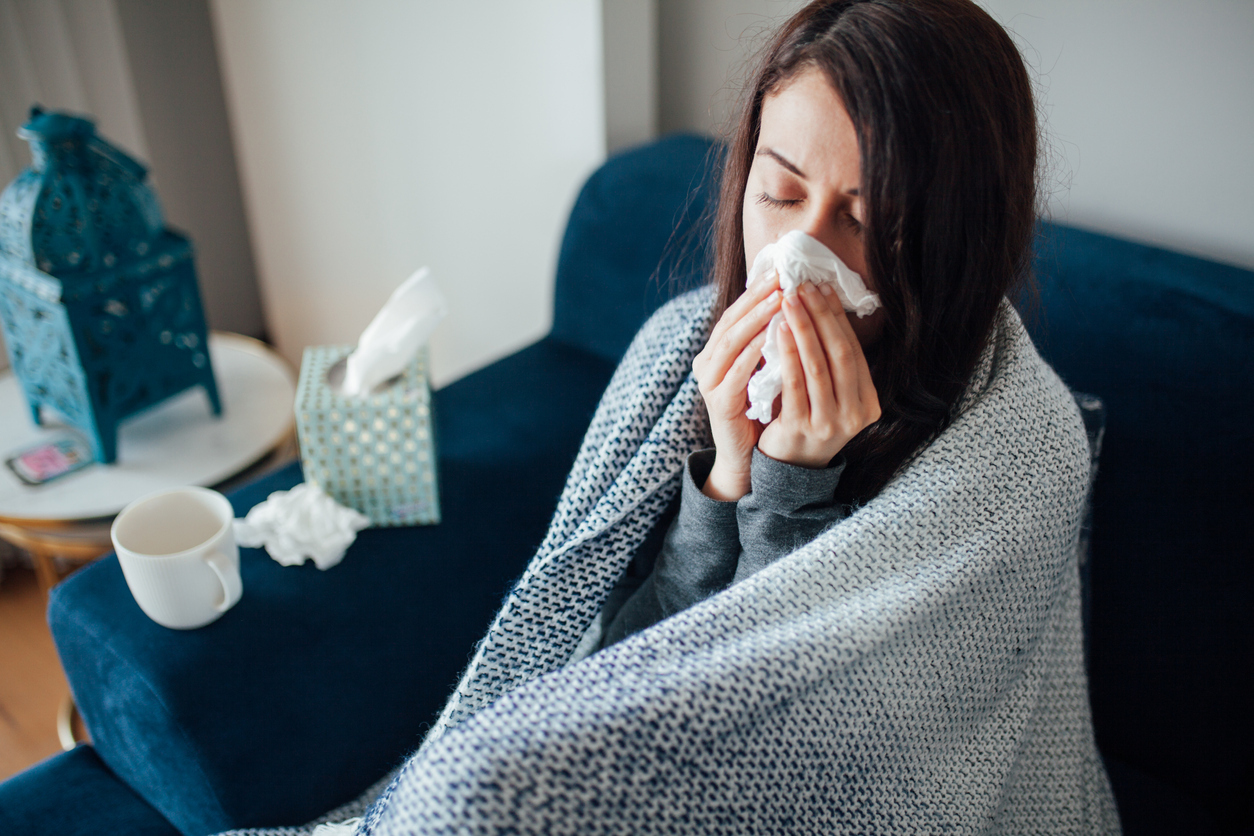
946	125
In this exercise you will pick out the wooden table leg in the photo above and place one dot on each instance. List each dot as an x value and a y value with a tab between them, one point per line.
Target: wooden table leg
80	545
65	723
45	568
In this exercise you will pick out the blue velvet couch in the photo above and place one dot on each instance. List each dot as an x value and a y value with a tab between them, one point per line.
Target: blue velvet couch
317	683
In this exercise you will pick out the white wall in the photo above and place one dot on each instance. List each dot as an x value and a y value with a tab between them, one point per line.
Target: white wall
1148	105
178	87
1149	109
629	44
378	136
705	52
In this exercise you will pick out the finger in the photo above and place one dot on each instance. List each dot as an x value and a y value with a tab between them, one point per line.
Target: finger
852	365
744	303
827	324
814	366
839	345
722	354
737	377
839	314
795	406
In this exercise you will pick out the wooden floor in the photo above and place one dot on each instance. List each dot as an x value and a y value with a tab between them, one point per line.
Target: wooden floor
32	685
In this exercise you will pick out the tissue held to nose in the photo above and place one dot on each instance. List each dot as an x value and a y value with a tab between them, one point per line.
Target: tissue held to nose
798	258
395	334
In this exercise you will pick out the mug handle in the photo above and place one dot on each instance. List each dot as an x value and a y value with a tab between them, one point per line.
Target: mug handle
232	586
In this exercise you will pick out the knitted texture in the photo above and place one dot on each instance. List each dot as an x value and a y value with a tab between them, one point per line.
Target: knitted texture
917	668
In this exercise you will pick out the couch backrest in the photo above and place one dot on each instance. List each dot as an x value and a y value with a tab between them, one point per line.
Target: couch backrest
636	237
1167	341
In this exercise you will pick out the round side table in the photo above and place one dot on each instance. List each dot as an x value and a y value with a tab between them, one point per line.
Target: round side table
179	442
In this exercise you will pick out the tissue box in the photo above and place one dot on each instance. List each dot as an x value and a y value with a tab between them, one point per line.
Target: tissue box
375	453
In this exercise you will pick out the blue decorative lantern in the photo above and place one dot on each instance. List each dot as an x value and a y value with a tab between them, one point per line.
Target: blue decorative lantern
98	298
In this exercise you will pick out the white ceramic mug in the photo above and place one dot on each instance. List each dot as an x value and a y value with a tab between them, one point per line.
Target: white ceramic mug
178	553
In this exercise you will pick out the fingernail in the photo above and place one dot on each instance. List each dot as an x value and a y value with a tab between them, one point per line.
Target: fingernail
825	289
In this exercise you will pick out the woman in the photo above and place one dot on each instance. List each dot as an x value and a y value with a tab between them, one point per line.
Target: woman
761	490
894	646
945	237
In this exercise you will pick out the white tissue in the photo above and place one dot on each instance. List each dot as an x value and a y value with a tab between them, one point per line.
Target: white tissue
797	258
395	334
303	523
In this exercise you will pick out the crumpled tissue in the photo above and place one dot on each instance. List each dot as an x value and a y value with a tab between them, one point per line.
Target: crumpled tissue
303	523
395	334
798	258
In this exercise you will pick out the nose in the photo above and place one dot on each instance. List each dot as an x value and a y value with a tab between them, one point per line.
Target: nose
821	223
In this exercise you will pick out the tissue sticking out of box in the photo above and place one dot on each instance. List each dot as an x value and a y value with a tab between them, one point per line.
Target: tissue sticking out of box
301	524
798	258
395	334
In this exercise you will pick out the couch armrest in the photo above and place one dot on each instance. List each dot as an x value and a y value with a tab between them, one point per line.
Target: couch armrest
74	794
316	683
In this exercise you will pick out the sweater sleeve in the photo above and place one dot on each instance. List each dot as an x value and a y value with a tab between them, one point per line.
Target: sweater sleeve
698	557
788	507
711	544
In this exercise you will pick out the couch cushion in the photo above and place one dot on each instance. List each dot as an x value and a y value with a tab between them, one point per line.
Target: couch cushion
1148	806
316	683
74	794
637	235
1167	342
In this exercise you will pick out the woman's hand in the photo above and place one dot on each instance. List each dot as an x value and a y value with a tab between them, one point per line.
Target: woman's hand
723	369
828	396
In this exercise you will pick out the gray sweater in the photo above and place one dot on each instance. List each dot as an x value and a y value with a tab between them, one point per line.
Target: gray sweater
709	545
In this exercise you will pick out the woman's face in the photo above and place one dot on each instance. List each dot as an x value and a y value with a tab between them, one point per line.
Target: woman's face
805	175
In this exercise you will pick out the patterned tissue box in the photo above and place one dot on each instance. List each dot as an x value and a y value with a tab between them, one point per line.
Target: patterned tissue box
375	453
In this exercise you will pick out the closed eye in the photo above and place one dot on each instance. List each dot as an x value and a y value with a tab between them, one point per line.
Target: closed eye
766	199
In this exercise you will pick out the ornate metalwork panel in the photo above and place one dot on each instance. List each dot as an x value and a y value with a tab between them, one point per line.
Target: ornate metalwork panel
99	301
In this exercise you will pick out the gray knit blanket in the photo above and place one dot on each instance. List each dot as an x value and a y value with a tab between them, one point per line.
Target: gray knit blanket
917	668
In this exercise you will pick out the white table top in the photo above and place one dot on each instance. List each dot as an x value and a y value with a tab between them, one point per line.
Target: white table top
178	442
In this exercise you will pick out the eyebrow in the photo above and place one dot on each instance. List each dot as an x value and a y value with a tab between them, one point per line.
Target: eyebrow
786	163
